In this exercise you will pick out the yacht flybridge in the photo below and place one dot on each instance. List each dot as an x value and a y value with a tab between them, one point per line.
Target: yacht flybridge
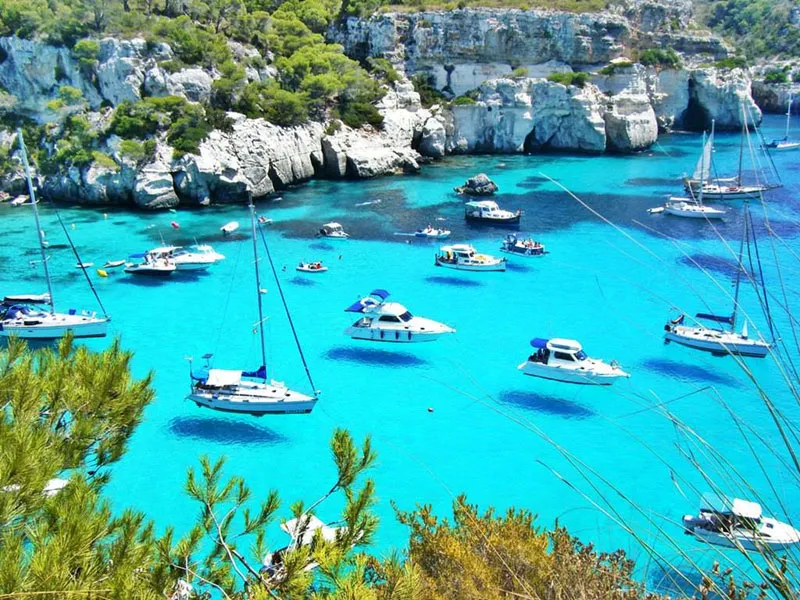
391	322
251	392
564	360
33	316
464	257
736	523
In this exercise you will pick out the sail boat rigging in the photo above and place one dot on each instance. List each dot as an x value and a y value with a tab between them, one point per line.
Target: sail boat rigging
21	315
251	392
785	143
726	188
719	341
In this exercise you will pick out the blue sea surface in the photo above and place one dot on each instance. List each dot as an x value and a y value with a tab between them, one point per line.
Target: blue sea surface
456	415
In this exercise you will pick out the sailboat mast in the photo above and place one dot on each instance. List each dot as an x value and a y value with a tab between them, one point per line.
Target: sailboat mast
741	147
702	169
36	217
788	117
739	269
258	289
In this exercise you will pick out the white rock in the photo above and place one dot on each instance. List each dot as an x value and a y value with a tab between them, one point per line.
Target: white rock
630	123
153	188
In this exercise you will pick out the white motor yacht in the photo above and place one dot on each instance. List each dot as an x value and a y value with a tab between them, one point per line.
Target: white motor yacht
391	322
564	360
193	258
464	257
151	266
716	341
736	523
432	233
332	231
489	212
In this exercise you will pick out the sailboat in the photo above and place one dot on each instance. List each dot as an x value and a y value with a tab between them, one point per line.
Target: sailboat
33	316
251	392
720	341
724	188
785	143
692	208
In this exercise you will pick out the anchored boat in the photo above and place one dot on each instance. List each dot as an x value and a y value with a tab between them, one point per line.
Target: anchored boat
488	211
33	316
785	143
564	360
332	231
736	523
464	257
251	392
521	246
312	267
432	233
193	258
391	322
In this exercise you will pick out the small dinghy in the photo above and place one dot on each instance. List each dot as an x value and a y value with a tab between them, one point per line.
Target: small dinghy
564	360
432	233
333	231
736	523
113	264
84	265
229	228
264	220
391	322
312	267
464	257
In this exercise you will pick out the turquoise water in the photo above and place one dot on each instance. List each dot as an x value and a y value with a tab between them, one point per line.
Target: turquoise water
492	432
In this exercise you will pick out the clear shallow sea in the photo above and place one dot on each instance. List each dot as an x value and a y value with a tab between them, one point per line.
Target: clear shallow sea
486	434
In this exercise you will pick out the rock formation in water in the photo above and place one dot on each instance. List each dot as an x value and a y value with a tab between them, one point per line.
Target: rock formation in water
480	185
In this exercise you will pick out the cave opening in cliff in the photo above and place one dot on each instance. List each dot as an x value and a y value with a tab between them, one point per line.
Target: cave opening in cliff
531	144
696	117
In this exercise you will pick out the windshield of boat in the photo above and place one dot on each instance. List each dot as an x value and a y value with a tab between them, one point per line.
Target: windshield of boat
581	355
406	316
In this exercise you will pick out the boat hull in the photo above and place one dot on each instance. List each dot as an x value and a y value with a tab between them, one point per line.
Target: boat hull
564	375
396	336
149	272
514	220
717	343
500	266
526	253
253	404
192	266
705	213
79	327
786	536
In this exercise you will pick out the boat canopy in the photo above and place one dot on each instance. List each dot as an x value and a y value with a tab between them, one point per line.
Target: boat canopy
382	294
481	204
310	525
333	226
721	504
369	302
562	344
138	255
715	318
222	378
260	373
27	299
458	248
539	342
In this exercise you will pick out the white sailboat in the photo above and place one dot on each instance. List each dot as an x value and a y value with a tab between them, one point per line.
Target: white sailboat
719	341
251	392
725	188
786	143
35	316
737	523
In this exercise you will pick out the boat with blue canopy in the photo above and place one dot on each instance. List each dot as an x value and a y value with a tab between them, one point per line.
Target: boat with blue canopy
520	245
564	360
391	322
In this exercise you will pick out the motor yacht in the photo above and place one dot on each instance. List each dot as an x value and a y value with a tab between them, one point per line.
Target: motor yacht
151	266
564	360
229	228
332	231
488	211
391	322
192	258
464	257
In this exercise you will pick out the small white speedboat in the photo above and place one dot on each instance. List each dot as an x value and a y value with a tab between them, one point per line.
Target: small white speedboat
20	201
718	342
684	207
84	265
464	257
521	246
229	228
312	267
333	231
113	264
432	233
736	523
391	322
564	360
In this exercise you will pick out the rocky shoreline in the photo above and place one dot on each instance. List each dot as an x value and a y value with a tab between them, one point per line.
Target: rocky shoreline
470	51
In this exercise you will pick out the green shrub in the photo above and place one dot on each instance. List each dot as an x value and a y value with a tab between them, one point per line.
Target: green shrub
278	106
333	126
428	94
356	114
104	160
796	77
612	68
87	52
383	69
519	73
463	101
732	62
578	79
172	66
776	76
656	57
